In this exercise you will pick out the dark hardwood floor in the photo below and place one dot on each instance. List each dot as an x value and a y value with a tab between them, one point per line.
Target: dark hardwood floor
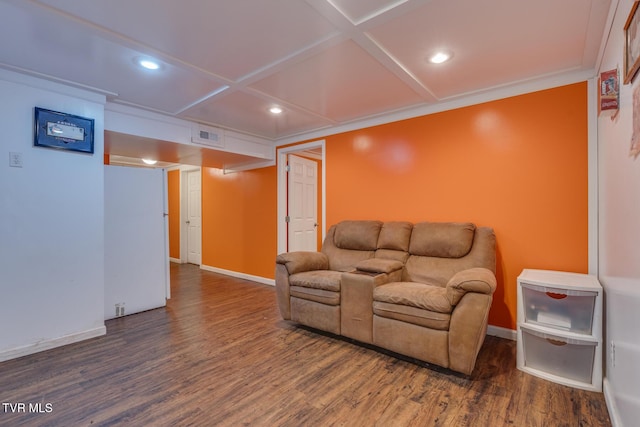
220	355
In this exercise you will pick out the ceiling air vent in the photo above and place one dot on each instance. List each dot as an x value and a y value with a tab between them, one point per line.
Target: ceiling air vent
208	136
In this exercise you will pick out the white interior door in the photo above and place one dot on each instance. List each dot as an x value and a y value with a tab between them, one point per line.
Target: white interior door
302	205
136	257
194	218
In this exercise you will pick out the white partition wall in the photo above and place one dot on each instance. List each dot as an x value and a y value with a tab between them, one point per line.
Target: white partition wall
136	258
619	234
51	223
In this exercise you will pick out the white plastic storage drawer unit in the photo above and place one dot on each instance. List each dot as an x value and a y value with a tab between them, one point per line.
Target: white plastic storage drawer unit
558	356
560	327
566	309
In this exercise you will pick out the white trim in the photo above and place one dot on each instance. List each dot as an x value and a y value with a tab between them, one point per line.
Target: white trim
281	159
610	400
497	331
459	101
165	215
129	110
259	279
176	260
52	343
184	249
592	175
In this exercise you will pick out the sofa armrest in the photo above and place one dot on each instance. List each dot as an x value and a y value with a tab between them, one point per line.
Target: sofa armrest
379	265
467	330
478	280
297	262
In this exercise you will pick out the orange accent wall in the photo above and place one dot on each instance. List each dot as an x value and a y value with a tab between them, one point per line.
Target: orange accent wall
518	165
173	190
239	220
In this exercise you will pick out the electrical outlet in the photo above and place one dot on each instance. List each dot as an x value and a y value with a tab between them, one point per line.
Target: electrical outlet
120	309
15	160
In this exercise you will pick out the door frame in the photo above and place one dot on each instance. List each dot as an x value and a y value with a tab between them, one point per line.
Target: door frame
281	159
165	215
184	199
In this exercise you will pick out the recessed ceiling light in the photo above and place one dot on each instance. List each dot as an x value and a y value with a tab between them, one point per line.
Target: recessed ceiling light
150	161
440	57
275	110
149	64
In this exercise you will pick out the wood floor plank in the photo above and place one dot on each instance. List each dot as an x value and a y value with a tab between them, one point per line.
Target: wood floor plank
220	355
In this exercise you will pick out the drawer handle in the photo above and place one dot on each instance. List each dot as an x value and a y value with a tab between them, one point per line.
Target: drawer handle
556	342
556	296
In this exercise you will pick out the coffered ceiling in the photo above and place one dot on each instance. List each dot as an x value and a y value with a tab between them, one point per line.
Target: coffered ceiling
326	63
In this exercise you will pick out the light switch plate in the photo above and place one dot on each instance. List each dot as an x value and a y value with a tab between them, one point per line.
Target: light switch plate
15	160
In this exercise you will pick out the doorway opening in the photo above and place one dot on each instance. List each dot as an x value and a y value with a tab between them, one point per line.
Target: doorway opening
312	150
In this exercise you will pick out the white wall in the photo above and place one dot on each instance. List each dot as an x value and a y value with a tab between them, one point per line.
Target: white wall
51	223
619	239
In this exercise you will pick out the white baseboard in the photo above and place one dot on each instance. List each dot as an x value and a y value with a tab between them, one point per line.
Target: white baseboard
259	279
497	331
611	403
37	347
176	260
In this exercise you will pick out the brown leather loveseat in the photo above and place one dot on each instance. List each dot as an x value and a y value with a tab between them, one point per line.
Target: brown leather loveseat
423	290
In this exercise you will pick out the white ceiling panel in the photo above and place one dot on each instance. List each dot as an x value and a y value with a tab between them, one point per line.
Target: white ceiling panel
59	49
229	38
358	11
353	84
326	62
170	89
250	113
492	42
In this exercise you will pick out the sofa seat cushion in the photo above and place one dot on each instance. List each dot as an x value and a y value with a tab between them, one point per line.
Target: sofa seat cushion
413	294
417	316
327	280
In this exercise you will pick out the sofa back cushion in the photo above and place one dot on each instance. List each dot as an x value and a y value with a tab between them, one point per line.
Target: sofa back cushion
432	252
442	239
395	235
469	247
350	242
357	235
393	241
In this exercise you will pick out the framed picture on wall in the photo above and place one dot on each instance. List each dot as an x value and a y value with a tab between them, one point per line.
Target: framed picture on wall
632	44
53	129
609	90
